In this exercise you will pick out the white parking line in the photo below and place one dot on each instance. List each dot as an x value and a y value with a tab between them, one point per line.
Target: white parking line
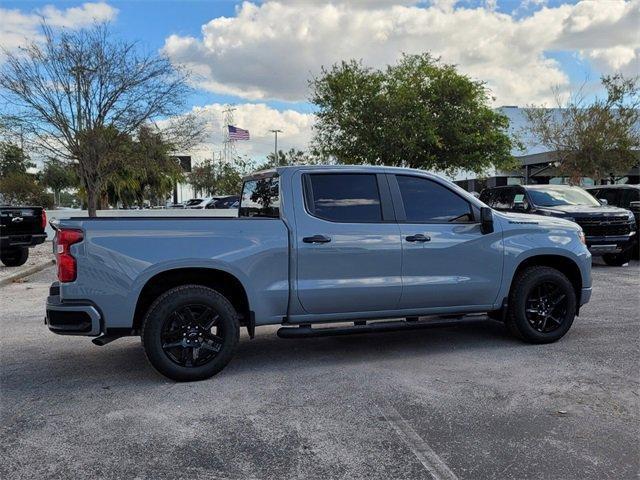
421	449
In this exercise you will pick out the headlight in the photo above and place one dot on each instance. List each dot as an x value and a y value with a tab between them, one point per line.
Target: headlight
583	240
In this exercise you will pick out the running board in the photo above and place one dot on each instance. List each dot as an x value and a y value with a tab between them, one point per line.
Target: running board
410	323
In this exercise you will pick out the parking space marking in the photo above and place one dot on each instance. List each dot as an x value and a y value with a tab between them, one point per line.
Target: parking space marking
421	449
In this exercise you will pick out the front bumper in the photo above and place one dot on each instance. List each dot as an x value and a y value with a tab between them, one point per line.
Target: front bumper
71	318
610	244
585	296
27	240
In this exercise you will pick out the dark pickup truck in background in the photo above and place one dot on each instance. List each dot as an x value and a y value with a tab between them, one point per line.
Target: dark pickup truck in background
623	196
20	228
611	232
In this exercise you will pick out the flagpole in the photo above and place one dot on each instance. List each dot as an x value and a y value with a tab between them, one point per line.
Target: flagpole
275	150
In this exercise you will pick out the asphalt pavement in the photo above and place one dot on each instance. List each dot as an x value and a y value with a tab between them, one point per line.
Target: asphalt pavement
464	401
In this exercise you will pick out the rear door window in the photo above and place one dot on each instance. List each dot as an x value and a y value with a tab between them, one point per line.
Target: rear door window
344	197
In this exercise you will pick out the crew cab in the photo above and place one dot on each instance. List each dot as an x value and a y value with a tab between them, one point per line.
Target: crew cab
610	231
20	228
315	245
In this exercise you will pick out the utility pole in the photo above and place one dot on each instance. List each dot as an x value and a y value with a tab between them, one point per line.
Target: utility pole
229	146
275	150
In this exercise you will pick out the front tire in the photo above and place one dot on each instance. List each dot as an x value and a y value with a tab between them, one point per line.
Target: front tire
190	333
618	259
14	256
542	305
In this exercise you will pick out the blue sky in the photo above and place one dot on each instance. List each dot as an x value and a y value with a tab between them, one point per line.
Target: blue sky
260	55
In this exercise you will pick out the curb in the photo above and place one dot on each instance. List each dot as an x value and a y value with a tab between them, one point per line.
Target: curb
26	273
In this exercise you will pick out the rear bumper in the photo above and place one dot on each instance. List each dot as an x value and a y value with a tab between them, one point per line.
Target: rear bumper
71	318
27	240
610	244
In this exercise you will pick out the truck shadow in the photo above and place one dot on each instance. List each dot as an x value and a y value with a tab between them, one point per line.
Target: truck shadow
124	362
267	351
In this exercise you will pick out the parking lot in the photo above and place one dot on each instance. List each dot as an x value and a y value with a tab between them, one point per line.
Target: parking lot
465	401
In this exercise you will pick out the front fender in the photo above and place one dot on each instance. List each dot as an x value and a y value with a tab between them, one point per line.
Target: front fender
521	244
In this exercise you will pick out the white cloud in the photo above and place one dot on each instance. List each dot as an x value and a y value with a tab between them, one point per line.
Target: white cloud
271	50
18	28
258	118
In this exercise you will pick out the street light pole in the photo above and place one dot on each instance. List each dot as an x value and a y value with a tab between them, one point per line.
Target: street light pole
275	150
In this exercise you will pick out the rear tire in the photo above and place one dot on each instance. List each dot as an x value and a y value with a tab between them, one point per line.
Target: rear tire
618	259
14	256
542	305
190	333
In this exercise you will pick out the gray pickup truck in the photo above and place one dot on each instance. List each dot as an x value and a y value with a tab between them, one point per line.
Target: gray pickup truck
315	245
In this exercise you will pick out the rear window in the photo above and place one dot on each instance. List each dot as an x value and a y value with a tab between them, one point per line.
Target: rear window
344	197
260	198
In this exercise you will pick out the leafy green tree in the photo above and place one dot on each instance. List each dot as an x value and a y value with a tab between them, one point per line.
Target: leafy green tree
22	189
418	113
229	177
203	178
290	157
58	176
142	169
222	178
592	138
13	159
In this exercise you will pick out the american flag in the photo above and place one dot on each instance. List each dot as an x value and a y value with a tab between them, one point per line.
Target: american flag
236	133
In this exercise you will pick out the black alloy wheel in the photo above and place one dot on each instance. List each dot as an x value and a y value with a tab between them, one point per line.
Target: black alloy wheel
542	305
190	332
191	336
546	307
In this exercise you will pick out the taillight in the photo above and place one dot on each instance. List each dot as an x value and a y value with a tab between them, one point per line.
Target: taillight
67	269
43	219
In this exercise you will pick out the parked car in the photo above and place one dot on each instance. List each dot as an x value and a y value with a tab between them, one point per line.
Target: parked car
610	231
202	204
20	228
193	202
224	202
171	205
315	245
623	196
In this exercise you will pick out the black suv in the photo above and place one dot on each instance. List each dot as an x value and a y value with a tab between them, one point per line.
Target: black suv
609	231
623	196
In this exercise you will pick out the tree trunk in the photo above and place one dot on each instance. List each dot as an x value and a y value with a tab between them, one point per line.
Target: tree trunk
92	202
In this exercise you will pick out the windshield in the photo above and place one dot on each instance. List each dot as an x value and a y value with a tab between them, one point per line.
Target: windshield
193	201
551	197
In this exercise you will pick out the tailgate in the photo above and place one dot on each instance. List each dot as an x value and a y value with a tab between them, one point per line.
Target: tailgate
20	220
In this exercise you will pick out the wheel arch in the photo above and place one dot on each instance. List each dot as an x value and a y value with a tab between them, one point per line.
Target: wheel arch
223	282
563	264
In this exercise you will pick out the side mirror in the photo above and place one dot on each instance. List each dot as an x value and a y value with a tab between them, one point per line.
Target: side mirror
486	220
603	201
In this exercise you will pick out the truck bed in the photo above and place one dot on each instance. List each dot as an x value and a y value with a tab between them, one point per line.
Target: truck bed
119	255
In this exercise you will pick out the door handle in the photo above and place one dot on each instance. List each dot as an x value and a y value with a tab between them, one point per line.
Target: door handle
418	237
317	239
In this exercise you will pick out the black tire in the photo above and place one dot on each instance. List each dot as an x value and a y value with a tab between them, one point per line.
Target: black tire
618	259
14	256
531	284
179	315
